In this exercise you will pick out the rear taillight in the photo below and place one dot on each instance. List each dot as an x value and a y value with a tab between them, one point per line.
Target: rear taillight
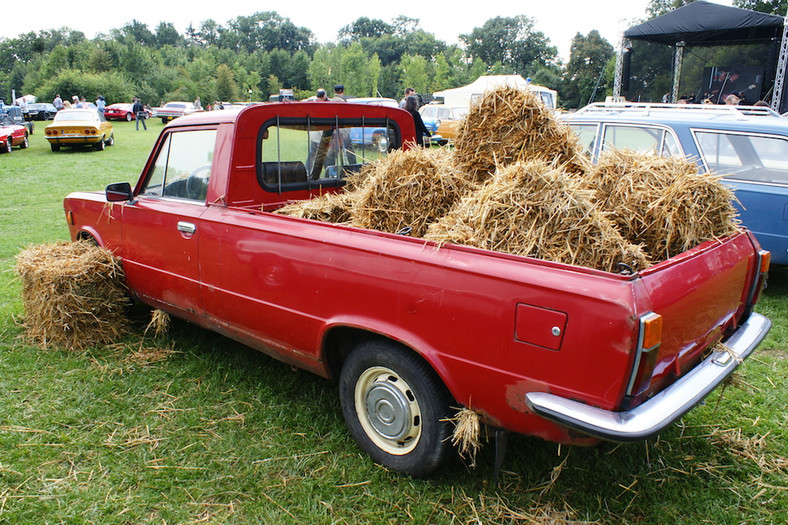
649	341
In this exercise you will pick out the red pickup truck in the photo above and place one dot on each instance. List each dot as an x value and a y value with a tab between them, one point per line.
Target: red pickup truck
411	329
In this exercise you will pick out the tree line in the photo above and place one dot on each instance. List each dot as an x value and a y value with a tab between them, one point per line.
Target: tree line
252	57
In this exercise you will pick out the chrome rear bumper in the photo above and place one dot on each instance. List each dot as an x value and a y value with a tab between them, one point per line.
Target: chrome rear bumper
653	416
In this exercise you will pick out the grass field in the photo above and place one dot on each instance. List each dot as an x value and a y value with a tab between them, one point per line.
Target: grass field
194	428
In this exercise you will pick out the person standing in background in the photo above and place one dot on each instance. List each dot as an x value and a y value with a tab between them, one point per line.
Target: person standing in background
139	113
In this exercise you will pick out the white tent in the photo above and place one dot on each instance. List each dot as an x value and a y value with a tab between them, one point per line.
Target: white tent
463	96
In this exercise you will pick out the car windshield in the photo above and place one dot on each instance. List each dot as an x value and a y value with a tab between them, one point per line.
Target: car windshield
5	120
79	116
175	106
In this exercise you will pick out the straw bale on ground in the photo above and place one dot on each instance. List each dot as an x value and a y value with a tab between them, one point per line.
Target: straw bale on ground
509	125
537	210
73	293
663	203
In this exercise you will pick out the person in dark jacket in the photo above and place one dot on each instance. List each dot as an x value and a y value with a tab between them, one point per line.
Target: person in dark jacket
422	133
139	113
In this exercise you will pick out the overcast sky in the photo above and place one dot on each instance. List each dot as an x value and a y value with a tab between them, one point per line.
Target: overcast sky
559	20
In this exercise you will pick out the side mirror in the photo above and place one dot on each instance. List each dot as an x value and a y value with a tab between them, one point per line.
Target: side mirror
120	191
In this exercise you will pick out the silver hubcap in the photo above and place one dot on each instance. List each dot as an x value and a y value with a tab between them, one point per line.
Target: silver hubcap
388	410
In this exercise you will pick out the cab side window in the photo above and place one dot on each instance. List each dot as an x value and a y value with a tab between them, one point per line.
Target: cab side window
182	167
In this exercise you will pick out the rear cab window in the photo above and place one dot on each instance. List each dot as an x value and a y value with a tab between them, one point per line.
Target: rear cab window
305	153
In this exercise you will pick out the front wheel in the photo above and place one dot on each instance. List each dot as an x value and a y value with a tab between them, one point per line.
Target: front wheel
396	407
25	143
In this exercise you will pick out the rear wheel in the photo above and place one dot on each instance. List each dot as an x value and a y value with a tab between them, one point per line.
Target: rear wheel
129	117
7	147
55	147
396	407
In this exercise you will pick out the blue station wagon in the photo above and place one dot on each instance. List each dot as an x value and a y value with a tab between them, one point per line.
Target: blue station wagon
748	146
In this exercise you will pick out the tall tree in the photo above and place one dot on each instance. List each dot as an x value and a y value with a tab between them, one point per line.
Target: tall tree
268	30
588	57
167	35
135	32
514	42
365	27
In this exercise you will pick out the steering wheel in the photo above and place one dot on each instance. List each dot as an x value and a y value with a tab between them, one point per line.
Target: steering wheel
197	182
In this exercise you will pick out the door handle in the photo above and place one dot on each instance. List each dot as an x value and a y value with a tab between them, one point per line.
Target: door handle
186	227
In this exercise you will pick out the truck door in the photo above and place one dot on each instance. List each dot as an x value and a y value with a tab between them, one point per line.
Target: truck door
161	227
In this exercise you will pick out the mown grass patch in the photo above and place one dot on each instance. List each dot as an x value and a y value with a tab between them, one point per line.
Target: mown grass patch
190	427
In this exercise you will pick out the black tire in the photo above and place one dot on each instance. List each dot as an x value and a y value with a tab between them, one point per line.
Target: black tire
396	407
100	145
164	120
55	147
111	140
25	143
129	117
7	148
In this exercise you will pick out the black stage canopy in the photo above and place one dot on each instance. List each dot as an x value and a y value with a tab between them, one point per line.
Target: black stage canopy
707	24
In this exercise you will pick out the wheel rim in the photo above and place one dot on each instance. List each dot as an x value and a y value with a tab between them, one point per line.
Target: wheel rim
383	144
388	410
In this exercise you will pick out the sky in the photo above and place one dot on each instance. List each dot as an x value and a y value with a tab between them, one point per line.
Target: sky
559	20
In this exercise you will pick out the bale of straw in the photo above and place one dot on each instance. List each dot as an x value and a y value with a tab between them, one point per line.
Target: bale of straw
408	189
537	210
663	203
329	207
509	125
73	293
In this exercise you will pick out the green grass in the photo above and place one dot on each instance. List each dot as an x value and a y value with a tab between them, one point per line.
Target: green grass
194	428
